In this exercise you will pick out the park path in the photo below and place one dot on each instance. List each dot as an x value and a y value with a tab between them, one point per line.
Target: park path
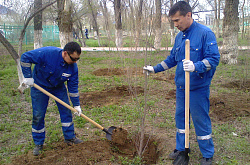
137	48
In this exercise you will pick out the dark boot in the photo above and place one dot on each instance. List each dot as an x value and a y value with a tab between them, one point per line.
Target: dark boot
73	141
37	150
206	161
173	155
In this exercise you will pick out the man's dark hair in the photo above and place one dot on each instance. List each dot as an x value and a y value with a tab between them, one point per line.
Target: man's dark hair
72	47
181	6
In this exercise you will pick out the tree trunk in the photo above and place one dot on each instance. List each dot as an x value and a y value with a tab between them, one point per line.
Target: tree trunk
38	28
172	33
103	5
138	23
65	22
132	19
229	51
118	23
94	19
158	32
243	20
216	19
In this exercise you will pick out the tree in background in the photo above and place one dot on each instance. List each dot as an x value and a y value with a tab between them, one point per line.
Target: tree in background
118	23
138	23
38	26
229	53
158	31
93	12
103	5
65	21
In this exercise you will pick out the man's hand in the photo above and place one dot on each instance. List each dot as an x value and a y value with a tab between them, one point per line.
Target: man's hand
29	82
148	69
79	110
188	66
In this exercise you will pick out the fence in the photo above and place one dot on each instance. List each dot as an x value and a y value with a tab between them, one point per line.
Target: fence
12	32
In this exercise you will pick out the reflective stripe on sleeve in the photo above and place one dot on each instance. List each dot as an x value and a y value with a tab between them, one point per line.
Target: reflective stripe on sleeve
164	65
204	137
180	130
73	94
67	124
207	64
23	64
38	131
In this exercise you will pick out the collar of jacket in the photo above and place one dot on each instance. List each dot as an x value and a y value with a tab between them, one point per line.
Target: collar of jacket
190	28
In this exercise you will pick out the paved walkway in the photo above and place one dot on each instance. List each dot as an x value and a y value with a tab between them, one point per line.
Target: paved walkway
137	48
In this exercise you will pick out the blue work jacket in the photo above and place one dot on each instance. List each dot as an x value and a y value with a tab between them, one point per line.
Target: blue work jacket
203	52
51	70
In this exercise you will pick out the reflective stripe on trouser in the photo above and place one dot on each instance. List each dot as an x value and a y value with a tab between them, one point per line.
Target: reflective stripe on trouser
40	103
199	110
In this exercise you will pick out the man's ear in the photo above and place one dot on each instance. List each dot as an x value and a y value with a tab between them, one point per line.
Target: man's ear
64	53
189	14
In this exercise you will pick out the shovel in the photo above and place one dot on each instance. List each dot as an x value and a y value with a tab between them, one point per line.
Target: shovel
183	157
107	131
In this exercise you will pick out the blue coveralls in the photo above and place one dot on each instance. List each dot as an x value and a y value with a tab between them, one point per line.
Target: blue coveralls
50	72
205	55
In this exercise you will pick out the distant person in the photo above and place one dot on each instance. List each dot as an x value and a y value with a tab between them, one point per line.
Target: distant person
53	66
204	58
86	33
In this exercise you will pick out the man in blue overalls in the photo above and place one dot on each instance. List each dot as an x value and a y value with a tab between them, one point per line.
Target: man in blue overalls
204	57
53	66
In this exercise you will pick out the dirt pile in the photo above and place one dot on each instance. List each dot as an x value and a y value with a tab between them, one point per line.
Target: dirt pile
92	152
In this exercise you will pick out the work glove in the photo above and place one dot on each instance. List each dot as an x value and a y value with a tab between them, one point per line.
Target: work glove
148	69
79	110
29	82
188	66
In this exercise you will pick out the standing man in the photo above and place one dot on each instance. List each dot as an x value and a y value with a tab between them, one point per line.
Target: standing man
86	33
204	57
53	66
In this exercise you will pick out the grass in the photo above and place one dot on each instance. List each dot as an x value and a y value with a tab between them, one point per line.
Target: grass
16	111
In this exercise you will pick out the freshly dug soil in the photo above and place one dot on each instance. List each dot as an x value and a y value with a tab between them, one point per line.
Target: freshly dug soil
119	136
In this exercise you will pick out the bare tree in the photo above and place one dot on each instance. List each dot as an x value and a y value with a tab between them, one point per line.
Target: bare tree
230	32
94	20
132	19
65	21
103	4
38	26
172	26
158	31
215	5
138	22
243	20
118	23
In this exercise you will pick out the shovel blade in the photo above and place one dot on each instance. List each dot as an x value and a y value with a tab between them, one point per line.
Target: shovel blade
109	132
182	159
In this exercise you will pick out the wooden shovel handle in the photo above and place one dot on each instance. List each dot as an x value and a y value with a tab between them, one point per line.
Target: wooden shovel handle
66	105
187	88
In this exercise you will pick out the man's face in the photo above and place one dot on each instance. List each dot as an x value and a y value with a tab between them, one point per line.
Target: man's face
182	22
70	58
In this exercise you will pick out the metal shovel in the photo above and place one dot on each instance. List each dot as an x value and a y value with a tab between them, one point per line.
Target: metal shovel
107	131
183	157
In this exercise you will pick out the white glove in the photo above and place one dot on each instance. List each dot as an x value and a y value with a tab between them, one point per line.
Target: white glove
148	69
79	110
188	66
29	82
